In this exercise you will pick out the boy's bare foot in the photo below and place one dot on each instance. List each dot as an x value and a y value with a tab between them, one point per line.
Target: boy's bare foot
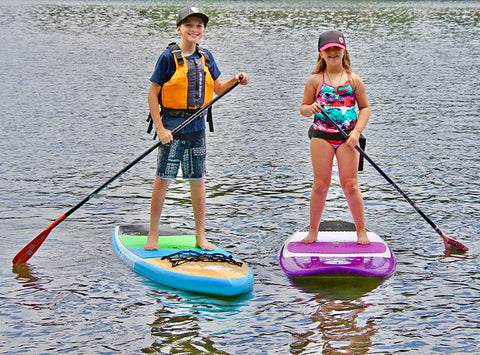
204	244
362	237
152	242
310	238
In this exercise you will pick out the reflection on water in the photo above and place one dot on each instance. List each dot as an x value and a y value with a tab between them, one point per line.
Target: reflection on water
33	286
338	328
178	324
177	334
340	302
74	83
347	288
25	276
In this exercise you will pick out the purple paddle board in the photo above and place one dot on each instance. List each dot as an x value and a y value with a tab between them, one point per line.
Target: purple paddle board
336	252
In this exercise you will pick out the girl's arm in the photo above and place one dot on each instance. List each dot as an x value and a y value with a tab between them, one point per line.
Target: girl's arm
309	107
364	110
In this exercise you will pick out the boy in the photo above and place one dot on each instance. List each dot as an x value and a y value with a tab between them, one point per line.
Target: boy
184	79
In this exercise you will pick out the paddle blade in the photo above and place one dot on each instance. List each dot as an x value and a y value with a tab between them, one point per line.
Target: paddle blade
30	249
451	243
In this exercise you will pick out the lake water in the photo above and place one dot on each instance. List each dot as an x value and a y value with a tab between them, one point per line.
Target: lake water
74	79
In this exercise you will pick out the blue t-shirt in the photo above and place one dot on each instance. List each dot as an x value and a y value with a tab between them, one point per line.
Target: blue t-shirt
164	70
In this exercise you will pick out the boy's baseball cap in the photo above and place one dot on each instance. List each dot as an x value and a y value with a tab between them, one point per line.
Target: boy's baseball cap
190	11
331	39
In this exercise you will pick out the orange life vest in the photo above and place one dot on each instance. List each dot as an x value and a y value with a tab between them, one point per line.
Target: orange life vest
191	86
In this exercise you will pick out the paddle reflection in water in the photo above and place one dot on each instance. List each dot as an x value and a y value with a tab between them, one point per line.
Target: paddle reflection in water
25	276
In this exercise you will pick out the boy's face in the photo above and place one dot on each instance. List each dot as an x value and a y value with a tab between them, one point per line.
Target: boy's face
192	29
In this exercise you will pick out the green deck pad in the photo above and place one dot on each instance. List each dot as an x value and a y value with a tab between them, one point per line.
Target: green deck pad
164	242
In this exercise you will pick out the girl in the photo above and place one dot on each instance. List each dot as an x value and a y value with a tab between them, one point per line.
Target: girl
337	89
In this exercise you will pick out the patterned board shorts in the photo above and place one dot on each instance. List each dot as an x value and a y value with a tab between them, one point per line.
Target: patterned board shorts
190	154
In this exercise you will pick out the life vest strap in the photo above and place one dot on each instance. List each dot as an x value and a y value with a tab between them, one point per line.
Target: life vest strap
172	112
150	126
210	119
189	113
177	52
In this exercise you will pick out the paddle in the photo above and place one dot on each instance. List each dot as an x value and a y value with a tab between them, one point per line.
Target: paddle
27	252
449	242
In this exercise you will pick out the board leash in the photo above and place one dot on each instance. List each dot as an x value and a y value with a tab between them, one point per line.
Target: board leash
191	256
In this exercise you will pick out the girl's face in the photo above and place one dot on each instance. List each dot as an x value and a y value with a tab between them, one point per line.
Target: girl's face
192	29
333	55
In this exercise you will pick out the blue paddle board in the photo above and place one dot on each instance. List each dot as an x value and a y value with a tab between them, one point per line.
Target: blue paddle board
178	263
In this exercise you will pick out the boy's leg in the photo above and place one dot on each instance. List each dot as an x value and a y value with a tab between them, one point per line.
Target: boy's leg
194	169
347	158
197	190
168	164
158	198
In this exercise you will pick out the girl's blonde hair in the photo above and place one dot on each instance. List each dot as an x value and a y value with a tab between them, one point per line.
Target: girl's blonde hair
321	65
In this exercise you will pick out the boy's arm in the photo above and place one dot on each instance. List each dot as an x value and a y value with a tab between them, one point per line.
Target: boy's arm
221	86
163	134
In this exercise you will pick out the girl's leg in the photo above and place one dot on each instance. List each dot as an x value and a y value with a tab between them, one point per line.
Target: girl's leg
158	198
347	158
322	161
197	190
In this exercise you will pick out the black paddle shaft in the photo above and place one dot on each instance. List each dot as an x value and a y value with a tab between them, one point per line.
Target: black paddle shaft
367	158
149	150
27	252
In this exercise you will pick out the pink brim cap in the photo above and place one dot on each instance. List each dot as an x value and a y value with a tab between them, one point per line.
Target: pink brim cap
328	45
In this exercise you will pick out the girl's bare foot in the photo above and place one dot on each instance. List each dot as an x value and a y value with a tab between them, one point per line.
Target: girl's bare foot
310	238
204	244
152	242
362	237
